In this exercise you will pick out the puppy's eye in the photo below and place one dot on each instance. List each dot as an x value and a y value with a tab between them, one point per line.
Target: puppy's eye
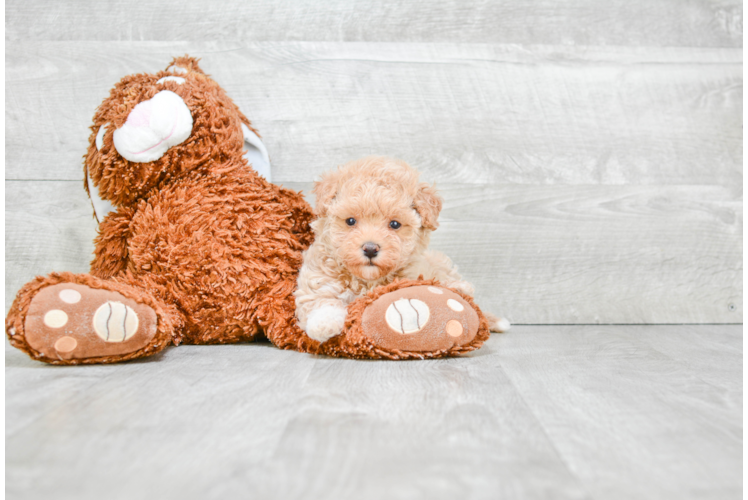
350	221
395	225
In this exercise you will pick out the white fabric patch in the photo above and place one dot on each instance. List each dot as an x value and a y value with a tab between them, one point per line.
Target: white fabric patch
55	318
256	153
115	322
70	296
177	69
407	315
153	127
100	136
177	79
454	305
101	207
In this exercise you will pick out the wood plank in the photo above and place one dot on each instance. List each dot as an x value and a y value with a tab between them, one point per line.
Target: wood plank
741	205
470	113
659	23
741	208
599	254
537	413
536	254
49	227
436	434
632	421
147	430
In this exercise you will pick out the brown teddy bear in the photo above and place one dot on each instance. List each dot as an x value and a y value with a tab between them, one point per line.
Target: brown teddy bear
195	246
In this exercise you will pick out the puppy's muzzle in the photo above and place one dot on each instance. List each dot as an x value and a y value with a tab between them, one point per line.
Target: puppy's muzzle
370	249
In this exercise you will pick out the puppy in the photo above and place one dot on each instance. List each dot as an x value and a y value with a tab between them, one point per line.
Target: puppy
373	226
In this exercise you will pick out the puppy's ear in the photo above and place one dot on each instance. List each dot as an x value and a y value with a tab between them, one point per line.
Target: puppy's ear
428	204
324	191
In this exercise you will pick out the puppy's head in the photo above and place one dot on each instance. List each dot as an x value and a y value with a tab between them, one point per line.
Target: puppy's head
374	215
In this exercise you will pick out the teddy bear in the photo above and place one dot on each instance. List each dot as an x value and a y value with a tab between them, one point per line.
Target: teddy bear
195	245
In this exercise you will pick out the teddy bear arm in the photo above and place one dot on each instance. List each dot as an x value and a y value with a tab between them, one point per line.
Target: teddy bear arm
111	253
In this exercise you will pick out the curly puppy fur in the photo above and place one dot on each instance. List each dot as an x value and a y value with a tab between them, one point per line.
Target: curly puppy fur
374	223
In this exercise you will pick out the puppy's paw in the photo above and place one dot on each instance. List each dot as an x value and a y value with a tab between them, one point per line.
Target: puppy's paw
496	324
326	322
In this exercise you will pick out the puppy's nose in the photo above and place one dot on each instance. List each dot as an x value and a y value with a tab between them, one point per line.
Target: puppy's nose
370	249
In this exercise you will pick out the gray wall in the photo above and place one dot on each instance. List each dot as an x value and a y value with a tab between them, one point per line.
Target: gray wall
590	153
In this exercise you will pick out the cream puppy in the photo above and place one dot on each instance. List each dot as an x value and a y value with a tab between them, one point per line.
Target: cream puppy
373	226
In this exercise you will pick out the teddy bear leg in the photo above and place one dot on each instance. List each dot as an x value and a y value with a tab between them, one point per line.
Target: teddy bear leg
80	319
410	320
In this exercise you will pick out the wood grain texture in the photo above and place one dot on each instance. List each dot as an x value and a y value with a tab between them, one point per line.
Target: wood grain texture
536	254
49	227
468	113
702	23
623	388
741	205
594	254
596	412
741	305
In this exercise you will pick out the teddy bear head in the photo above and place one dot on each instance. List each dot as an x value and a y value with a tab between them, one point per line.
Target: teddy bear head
155	128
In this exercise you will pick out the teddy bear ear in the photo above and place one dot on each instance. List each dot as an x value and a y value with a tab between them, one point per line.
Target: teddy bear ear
428	204
183	65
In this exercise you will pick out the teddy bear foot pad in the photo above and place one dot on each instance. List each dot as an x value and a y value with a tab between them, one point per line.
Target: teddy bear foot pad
420	319
68	321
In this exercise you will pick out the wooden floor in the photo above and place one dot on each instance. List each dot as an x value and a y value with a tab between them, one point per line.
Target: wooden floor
593	412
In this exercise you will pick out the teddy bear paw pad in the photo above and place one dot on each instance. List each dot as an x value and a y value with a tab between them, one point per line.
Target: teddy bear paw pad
72	321
420	319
